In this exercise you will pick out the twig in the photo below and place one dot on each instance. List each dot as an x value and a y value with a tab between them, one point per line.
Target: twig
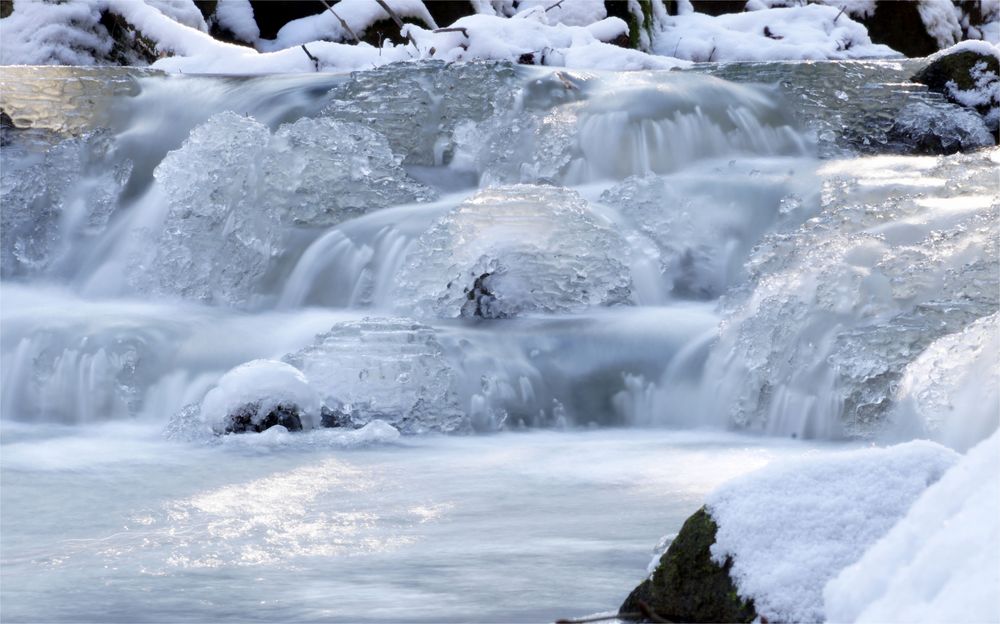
343	24
549	8
395	18
645	613
599	618
842	9
460	29
311	57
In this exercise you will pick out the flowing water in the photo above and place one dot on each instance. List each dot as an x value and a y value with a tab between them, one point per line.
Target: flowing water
549	310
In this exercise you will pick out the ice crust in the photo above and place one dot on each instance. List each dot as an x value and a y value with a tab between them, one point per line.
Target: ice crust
516	250
418	106
234	190
792	526
70	191
390	369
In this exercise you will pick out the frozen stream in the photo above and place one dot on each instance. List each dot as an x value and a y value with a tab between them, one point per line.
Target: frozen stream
547	312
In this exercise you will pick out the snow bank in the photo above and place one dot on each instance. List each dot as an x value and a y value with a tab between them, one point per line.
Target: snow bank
939	563
810	32
791	527
71	34
268	382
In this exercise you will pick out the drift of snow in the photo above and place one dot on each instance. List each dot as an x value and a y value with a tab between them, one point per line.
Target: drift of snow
791	527
236	16
939	563
269	384
810	32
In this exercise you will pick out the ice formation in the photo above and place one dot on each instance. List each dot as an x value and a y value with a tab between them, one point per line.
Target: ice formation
390	369
259	388
836	310
705	225
69	192
951	392
418	107
792	526
938	563
516	250
940	129
233	191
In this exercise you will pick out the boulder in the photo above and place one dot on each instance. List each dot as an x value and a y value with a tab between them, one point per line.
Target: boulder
900	26
687	586
968	78
245	418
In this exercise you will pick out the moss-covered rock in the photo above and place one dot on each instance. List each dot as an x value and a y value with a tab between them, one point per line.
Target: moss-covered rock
638	23
687	585
955	68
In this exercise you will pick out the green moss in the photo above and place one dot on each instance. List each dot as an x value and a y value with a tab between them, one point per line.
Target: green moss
688	586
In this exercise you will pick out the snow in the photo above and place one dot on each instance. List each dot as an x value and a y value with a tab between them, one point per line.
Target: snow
53	34
358	14
810	32
941	21
939	563
70	33
791	527
278	437
568	12
972	45
271	383
236	16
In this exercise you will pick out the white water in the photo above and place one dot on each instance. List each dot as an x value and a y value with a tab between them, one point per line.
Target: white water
656	257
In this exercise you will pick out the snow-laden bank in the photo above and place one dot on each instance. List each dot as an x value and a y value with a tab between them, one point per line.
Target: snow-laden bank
792	526
812	32
937	564
74	34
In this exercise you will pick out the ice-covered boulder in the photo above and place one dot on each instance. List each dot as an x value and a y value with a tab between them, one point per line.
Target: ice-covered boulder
234	192
936	130
818	341
515	250
258	395
392	369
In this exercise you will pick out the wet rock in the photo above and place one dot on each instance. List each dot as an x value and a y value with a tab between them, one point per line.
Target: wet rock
925	129
6	126
246	418
638	23
687	586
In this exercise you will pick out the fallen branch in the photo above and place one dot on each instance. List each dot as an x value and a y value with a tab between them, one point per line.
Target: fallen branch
645	614
343	24
549	8
460	29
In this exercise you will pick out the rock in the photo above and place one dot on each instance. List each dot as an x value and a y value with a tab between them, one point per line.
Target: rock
271	16
638	24
6	8
687	586
900	26
925	129
6	126
241	420
967	78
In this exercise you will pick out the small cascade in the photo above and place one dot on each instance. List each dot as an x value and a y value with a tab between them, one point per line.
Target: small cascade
483	246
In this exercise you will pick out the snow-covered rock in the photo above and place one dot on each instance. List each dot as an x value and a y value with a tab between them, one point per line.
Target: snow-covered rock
967	74
939	562
258	395
792	526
